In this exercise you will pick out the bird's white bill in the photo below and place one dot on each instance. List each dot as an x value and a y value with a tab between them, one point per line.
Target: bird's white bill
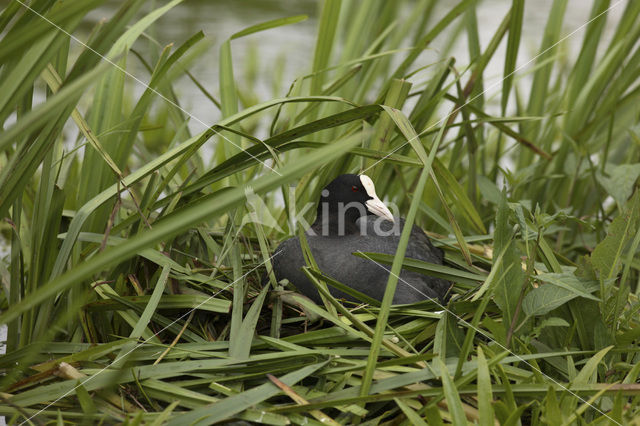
378	208
368	186
375	206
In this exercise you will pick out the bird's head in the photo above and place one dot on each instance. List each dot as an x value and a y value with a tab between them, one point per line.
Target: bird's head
354	196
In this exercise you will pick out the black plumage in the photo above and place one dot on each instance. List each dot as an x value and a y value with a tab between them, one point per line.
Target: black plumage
352	218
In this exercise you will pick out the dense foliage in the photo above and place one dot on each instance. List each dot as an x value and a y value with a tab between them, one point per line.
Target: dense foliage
133	289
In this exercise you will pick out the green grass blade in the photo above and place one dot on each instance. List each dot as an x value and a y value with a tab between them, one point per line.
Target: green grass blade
327	27
188	217
143	322
412	416
485	394
235	404
68	96
387	299
513	46
451	395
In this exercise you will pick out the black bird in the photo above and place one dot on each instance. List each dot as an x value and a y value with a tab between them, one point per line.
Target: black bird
352	218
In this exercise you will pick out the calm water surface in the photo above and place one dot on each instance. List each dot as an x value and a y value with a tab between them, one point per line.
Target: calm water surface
291	47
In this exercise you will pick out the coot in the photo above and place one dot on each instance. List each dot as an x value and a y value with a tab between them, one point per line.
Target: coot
351	218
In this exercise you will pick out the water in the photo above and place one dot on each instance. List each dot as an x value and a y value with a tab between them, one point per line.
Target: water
291	45
294	44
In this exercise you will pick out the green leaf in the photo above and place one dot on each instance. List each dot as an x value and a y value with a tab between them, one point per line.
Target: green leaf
560	289
188	217
127	39
588	372
571	283
85	400
430	269
269	24
451	395
235	404
513	44
510	275
485	394
240	345
145	318
413	417
165	414
383	315
327	28
34	27
607	256
36	118
620	181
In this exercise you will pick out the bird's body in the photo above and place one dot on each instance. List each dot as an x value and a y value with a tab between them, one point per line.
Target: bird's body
332	246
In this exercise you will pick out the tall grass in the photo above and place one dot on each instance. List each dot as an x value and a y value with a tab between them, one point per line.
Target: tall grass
132	289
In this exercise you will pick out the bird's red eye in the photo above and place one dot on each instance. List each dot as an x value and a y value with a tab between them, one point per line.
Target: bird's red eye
354	188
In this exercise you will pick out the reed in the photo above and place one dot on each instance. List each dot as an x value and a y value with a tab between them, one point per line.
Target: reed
132	288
